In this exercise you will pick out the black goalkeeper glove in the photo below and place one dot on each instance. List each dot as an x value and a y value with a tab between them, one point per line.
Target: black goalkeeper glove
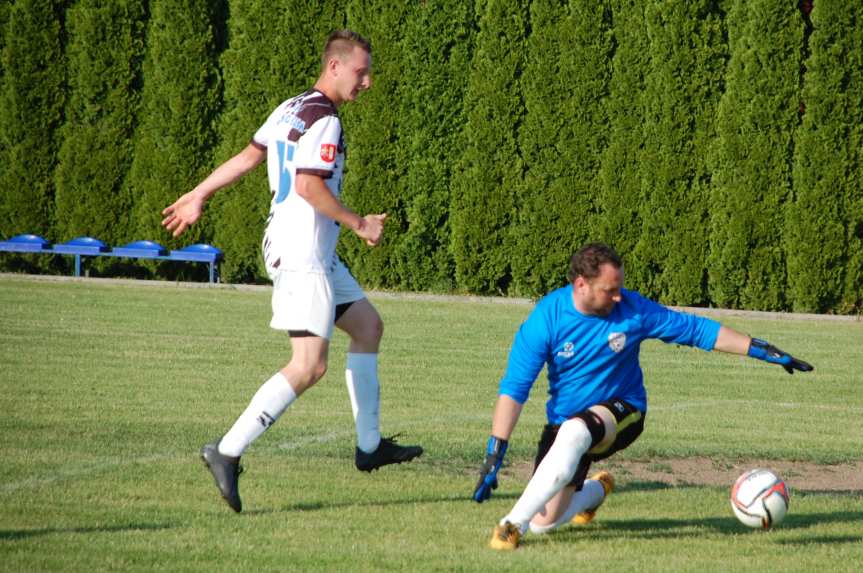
494	452
763	350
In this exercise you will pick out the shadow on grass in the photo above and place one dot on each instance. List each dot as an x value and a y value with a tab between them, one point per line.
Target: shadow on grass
670	528
822	540
659	485
325	505
649	486
18	534
728	525
831	492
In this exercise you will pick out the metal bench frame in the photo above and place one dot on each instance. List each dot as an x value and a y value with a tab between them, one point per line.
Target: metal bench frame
89	247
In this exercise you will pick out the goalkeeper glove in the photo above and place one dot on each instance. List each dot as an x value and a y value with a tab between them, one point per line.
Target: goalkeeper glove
494	452
763	350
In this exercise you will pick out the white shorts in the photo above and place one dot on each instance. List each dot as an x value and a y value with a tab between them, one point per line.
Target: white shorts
304	300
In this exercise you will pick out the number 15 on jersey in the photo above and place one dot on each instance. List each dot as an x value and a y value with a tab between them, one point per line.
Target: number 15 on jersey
285	151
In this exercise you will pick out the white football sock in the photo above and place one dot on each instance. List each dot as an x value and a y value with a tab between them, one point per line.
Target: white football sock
361	376
554	472
268	403
591	495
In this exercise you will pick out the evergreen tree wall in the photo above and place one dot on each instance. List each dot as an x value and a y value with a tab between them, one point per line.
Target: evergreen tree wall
375	166
105	52
32	95
499	136
437	44
180	101
562	138
757	116
5	9
490	170
682	88
619	220
827	273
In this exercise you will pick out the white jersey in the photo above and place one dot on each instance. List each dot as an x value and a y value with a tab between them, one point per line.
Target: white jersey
302	135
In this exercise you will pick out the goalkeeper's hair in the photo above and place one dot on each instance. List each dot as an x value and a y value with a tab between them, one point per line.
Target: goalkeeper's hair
341	43
587	260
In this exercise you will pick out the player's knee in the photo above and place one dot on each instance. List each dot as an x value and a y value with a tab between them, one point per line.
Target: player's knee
318	370
376	328
369	333
572	432
572	441
303	376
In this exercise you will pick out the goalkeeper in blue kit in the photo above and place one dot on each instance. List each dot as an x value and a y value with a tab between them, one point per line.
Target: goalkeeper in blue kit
588	335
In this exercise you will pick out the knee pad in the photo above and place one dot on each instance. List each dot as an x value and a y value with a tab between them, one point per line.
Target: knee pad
594	424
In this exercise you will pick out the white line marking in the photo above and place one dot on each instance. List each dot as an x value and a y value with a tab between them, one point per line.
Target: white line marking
303	441
72	473
753	403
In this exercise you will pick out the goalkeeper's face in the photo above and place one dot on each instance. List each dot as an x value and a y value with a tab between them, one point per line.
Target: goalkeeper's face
597	296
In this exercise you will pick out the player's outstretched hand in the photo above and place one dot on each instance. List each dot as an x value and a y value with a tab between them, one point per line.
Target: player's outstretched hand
763	350
494	452
372	229
184	212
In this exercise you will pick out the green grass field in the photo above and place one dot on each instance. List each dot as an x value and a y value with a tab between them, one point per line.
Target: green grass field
109	389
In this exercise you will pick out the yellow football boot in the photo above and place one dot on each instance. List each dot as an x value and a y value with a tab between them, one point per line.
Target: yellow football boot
607	482
505	537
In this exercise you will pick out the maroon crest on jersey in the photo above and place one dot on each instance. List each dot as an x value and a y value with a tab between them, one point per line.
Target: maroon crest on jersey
328	152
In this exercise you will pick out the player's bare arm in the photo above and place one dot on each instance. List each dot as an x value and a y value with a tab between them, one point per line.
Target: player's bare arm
315	191
730	340
506	413
186	210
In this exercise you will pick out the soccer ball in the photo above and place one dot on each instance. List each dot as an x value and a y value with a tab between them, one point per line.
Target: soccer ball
759	499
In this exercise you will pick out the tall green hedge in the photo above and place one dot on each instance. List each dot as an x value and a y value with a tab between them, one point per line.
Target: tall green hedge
31	111
827	273
105	54
375	165
273	54
715	143
5	9
757	117
682	90
436	48
619	219
490	170
180	100
562	138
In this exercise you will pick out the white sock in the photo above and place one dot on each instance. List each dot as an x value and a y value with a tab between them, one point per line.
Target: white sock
361	376
553	474
591	495
268	403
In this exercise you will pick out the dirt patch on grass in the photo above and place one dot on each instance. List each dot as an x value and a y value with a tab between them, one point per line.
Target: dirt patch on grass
801	476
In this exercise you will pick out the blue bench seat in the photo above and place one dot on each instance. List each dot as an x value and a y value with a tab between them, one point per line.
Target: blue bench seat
90	247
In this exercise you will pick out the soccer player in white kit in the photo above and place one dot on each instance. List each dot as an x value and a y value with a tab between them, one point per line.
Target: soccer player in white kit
312	290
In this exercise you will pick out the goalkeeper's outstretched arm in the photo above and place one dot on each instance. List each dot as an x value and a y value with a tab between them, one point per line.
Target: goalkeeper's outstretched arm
730	340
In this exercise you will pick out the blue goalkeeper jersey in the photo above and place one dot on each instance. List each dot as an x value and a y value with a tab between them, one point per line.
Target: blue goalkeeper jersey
594	358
